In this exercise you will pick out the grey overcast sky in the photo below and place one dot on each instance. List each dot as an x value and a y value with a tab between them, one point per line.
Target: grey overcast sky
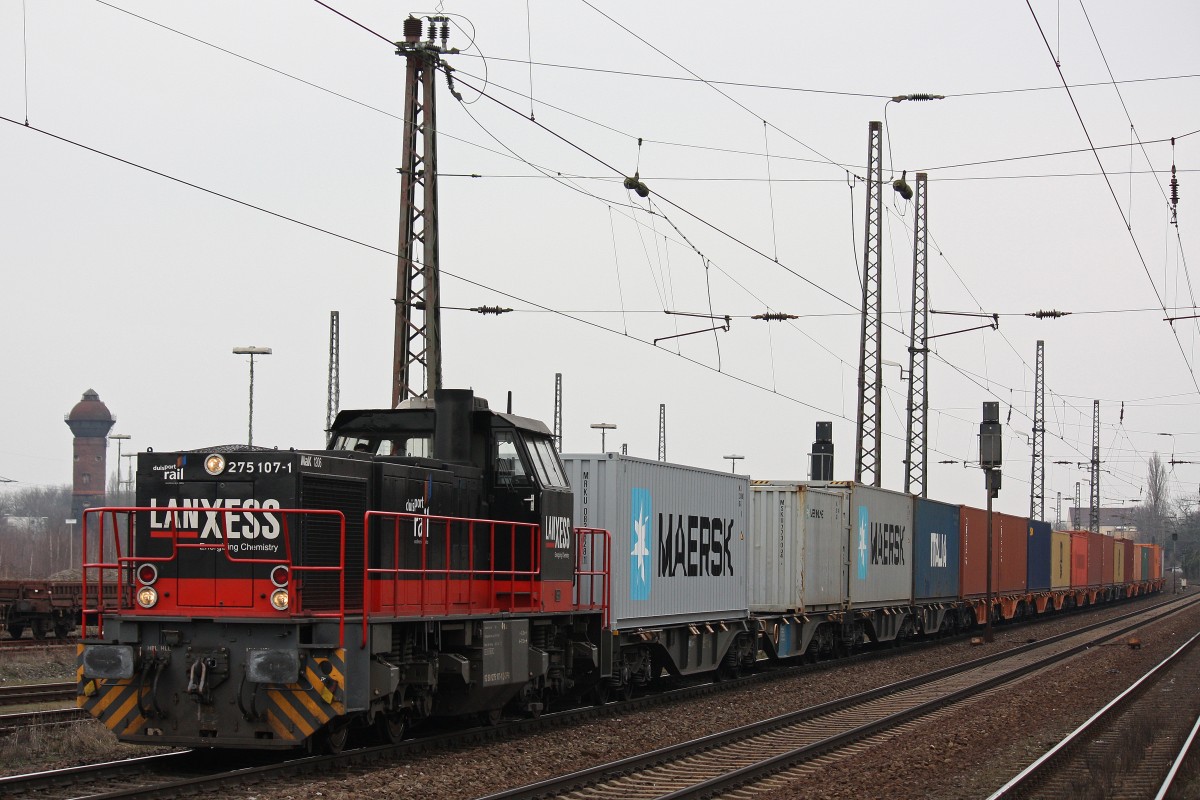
138	286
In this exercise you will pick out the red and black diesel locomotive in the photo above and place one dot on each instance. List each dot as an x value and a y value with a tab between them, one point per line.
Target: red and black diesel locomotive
424	564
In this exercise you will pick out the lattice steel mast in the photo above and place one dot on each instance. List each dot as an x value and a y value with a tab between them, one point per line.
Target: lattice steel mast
558	411
335	379
1037	479
662	431
870	355
916	460
1094	521
417	359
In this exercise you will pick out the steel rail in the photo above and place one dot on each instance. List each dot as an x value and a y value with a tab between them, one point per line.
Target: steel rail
764	767
1184	752
1045	765
36	693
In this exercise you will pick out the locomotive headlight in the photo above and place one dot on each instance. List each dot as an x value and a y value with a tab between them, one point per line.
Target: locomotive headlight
279	576
279	599
147	574
214	464
147	596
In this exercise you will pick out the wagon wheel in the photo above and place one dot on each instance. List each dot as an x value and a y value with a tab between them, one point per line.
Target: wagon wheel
62	629
490	717
40	628
603	692
16	629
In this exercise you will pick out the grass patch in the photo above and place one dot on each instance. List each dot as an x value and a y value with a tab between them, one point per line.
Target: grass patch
83	742
45	665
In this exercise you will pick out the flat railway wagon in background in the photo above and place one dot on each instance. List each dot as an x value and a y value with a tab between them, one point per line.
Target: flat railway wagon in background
424	565
40	607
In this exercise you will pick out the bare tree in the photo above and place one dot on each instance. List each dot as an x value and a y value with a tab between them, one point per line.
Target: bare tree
1154	514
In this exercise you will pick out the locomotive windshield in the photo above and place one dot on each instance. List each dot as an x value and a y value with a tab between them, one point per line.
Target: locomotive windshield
405	446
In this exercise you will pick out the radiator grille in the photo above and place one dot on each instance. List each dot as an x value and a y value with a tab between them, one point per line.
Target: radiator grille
319	540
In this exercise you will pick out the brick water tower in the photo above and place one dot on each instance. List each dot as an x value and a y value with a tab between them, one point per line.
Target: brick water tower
90	421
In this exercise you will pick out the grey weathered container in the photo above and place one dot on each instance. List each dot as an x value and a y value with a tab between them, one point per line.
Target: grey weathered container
879	544
797	548
679	549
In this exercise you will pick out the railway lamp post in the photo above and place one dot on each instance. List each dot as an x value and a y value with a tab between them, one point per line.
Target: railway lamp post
252	352
603	427
733	459
119	437
990	459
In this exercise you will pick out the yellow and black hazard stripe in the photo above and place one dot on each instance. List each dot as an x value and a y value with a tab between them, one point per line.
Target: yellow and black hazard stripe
297	710
113	702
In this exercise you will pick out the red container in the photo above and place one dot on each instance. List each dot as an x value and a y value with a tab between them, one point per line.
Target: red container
1079	559
1130	575
1009	559
1108	569
1095	566
1012	551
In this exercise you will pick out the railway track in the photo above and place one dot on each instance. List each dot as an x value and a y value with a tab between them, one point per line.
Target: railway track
36	693
28	720
1126	749
163	777
772	754
17	645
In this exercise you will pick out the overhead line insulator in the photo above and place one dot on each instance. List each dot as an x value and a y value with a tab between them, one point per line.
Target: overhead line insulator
1052	314
497	310
775	316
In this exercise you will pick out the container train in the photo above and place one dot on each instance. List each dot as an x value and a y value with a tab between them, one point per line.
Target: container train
441	559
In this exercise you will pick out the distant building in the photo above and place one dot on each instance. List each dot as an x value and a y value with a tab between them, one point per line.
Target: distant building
1120	522
90	421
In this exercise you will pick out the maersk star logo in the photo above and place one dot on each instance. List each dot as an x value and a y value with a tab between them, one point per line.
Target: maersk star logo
862	543
640	563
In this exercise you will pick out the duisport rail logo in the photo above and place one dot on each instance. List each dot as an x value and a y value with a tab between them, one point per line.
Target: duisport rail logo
641	566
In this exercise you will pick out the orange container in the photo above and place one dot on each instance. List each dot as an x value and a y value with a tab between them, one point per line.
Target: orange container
1010	555
1140	562
1079	559
1156	559
1118	561
1095	573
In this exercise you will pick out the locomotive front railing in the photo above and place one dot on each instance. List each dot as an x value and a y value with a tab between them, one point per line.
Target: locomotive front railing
109	583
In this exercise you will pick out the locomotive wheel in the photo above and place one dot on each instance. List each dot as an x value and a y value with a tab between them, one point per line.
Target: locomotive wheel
603	692
490	717
332	739
390	727
16	630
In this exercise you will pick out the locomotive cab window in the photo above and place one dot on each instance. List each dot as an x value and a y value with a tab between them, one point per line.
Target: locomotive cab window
545	461
510	469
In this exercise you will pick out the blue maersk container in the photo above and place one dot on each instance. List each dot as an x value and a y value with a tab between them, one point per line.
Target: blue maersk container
935	551
1039	541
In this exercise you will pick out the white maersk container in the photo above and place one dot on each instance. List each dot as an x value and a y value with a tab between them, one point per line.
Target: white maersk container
818	545
797	548
678	547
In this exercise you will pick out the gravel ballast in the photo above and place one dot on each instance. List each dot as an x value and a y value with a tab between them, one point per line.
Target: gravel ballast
967	753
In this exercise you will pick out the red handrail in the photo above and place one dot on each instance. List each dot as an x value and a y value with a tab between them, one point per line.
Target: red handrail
423	527
124	562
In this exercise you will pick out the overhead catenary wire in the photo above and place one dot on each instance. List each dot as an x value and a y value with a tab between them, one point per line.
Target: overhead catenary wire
1108	183
319	229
